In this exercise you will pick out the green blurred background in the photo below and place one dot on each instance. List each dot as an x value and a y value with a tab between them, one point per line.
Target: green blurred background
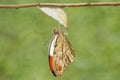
94	33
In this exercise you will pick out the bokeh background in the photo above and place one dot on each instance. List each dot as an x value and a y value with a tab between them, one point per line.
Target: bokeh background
94	33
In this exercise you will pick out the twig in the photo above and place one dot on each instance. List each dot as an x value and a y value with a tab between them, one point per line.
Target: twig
59	4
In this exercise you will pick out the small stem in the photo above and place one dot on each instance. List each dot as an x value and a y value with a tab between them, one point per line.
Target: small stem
59	5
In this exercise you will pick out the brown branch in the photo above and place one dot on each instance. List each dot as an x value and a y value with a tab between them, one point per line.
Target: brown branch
59	5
